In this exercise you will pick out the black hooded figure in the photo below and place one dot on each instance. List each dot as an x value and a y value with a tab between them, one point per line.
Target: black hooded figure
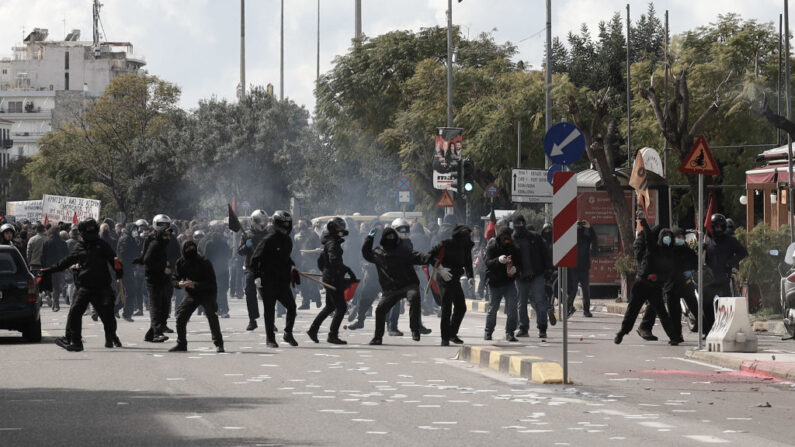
158	271
334	270
395	260
452	257
92	260
194	273
274	271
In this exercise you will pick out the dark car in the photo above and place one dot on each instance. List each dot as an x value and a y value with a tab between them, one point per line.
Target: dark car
19	300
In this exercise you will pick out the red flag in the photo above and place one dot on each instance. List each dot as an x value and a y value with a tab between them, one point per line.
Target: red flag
350	289
46	220
232	221
74	219
708	219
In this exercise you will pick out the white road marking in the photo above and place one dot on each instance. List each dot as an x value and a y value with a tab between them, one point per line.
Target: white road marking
707	439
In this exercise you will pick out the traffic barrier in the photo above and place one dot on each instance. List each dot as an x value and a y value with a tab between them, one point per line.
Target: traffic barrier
732	330
513	363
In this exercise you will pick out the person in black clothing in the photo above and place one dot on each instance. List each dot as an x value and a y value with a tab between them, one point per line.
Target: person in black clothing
535	265
503	262
549	281
274	271
453	257
194	273
7	233
334	270
655	267
54	250
395	260
128	251
248	242
92	260
158	272
216	250
581	274
368	289
722	254
306	243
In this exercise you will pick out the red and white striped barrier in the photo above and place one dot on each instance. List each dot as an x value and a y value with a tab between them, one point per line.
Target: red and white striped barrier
564	224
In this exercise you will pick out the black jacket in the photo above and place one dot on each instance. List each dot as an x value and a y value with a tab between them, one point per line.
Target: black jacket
533	256
586	246
197	269
496	272
330	261
248	251
654	259
156	260
723	253
95	259
395	266
54	250
128	249
271	259
216	250
455	253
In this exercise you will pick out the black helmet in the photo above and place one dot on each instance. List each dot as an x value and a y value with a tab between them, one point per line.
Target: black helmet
718	221
88	229
337	226
282	221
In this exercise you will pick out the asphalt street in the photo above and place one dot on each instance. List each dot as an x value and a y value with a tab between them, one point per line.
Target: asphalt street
403	393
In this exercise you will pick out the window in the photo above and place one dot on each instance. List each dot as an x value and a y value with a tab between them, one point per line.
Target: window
66	61
20	151
15	107
66	81
8	265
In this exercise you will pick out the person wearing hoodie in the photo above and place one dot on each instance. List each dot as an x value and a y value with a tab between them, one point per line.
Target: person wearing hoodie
535	265
655	267
445	230
395	260
92	261
194	273
503	262
722	254
452	258
53	250
274	271
334	270
158	270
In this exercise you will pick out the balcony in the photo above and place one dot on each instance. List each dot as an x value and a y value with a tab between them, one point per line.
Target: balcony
44	114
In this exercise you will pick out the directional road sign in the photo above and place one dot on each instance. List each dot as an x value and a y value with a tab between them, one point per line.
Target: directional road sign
551	172
564	143
530	185
403	183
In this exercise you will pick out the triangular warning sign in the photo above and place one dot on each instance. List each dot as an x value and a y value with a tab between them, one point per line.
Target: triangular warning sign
699	160
445	201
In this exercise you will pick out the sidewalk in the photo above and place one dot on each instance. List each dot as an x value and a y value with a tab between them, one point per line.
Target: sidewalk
769	363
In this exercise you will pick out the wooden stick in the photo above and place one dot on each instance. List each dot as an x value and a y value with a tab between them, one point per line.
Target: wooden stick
311	278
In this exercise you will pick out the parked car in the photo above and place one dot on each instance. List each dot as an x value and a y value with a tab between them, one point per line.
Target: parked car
19	300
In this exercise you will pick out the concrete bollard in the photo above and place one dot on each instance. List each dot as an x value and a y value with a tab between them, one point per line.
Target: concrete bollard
732	331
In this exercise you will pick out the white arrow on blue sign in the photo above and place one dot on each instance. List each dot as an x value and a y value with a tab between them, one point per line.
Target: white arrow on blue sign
564	143
551	173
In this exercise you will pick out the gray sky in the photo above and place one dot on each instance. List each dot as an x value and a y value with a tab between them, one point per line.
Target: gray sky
195	43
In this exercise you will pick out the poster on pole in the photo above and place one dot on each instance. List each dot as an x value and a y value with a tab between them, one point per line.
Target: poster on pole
29	210
448	146
64	209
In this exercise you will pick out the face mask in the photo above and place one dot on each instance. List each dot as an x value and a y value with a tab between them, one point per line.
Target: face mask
667	240
190	253
679	242
390	243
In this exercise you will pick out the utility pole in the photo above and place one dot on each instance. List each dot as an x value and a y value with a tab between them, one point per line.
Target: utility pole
547	89
667	149
317	74
449	63
358	19
629	100
242	49
281	59
789	117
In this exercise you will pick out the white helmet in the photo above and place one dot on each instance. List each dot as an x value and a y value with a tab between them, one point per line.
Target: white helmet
141	223
259	220
402	227
198	235
8	227
161	220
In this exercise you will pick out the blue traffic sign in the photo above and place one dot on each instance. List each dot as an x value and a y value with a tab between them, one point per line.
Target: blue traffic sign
492	190
403	183
564	143
551	173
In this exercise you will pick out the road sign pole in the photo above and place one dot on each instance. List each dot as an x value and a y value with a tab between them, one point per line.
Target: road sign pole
564	293
701	236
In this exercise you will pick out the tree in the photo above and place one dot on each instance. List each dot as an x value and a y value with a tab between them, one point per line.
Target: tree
18	186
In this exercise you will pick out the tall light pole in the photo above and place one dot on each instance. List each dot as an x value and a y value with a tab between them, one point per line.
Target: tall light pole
317	74
242	49
789	117
281	58
449	63
358	19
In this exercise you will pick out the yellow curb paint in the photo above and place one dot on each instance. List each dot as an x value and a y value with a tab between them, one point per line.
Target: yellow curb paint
515	367
474	354
494	358
547	372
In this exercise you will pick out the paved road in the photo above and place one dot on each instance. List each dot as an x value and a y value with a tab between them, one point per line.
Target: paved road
402	393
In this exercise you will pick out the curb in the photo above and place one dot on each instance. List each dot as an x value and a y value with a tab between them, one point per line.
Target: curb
775	327
513	363
778	370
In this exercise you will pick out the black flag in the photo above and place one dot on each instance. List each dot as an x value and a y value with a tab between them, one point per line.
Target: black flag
234	224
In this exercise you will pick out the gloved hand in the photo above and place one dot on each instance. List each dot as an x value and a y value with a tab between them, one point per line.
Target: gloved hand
44	271
444	274
258	282
503	259
372	232
688	274
249	243
471	283
295	277
512	271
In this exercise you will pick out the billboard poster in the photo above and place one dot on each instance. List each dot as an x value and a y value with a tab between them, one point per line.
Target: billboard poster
29	210
448	146
64	209
595	207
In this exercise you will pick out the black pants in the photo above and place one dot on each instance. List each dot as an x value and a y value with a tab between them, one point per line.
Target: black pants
131	289
368	292
672	296
642	291
335	304
159	305
271	293
710	290
251	296
235	274
222	280
102	300
389	300
454	308
582	278
189	305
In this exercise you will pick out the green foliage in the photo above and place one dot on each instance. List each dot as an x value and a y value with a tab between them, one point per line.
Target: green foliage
760	269
626	264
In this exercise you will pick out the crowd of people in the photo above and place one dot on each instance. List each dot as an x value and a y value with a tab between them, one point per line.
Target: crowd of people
117	271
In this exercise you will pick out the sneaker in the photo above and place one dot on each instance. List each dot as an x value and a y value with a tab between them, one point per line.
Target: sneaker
456	340
676	341
179	347
415	335
445	342
289	339
312	333
159	338
395	333
587	314
116	342
425	331
487	337
219	348
62	342
272	344
551	316
375	341
252	324
168	330
224	315
128	319
522	333
56	308
334	340
357	325
303	307
618	338
571	311
646	334
509	337
542	333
